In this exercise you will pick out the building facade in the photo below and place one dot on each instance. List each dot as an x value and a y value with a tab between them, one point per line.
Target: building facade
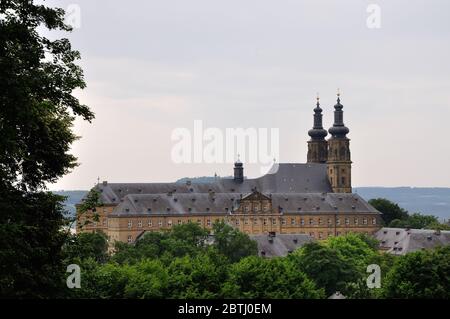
313	199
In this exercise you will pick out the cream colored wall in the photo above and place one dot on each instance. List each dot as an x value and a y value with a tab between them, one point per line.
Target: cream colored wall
127	228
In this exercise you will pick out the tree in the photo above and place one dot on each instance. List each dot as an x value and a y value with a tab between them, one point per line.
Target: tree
181	240
196	277
232	243
325	266
37	110
91	201
256	277
87	245
354	249
420	274
389	210
419	221
30	245
147	279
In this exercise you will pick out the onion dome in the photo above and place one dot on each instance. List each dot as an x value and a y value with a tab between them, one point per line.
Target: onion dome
338	130
317	132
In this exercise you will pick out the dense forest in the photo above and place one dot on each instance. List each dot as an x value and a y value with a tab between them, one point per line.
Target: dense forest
183	263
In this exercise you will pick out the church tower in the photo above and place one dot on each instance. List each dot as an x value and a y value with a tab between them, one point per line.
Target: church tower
238	171
339	164
317	145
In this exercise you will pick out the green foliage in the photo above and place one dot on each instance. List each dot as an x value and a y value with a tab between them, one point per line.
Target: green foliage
152	268
419	221
196	277
37	110
255	277
185	239
397	217
389	210
91	201
30	244
232	243
37	107
147	279
421	274
325	266
87	245
353	249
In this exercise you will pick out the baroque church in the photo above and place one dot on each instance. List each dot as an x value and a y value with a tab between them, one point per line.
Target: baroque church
313	198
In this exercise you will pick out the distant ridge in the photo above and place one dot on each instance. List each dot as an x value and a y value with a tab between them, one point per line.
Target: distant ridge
426	200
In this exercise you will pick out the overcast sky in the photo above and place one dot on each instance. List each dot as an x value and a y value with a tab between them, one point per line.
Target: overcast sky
154	66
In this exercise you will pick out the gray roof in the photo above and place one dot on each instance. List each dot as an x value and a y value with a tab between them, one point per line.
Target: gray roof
179	203
318	203
221	203
400	241
282	178
280	244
